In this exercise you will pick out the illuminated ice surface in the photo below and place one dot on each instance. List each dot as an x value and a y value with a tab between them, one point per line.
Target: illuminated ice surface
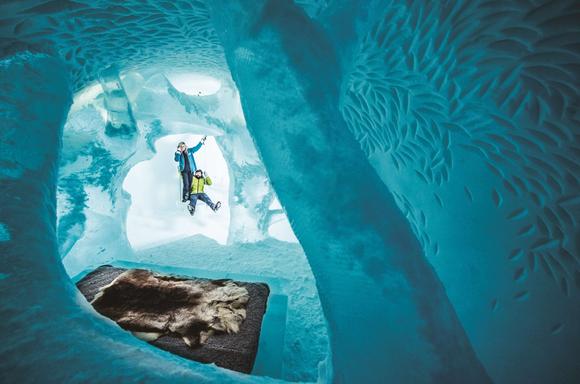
424	153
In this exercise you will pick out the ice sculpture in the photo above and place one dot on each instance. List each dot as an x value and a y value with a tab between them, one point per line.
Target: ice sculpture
453	254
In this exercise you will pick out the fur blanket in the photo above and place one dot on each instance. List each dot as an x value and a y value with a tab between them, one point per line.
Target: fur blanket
152	305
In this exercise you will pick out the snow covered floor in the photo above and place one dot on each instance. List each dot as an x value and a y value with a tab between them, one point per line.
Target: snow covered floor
281	264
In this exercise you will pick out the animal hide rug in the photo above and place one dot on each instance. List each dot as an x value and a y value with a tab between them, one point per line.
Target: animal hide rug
151	305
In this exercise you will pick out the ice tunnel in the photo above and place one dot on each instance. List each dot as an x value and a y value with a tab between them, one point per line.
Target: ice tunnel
422	158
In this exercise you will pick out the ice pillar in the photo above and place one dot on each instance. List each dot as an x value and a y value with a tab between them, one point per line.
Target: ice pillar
389	317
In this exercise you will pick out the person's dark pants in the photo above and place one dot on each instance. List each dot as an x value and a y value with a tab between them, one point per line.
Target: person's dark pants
201	196
187	177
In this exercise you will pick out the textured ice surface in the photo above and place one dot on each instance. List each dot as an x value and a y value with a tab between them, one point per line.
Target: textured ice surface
371	272
467	111
90	35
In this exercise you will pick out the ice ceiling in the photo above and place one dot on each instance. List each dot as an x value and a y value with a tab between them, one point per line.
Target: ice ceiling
426	155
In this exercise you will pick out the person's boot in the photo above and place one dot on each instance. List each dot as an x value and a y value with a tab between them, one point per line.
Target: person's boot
191	209
217	206
185	198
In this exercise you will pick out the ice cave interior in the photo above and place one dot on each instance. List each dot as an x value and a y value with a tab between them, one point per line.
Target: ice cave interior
404	175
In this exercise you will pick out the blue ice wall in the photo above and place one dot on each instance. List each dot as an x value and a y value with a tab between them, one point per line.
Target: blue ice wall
451	254
469	112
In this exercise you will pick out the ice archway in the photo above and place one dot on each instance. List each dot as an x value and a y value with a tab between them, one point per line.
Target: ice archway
461	123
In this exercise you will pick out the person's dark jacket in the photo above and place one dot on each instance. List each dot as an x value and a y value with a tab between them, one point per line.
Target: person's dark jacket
190	151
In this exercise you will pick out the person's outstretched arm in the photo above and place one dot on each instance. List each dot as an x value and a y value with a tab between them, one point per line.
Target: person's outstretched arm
198	146
207	179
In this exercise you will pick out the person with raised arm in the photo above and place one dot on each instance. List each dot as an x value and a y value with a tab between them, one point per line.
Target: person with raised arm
186	165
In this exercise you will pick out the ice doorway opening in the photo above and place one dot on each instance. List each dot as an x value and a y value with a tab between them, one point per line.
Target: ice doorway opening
118	204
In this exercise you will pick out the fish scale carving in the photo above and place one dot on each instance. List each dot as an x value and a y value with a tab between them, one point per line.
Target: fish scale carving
91	35
495	79
391	107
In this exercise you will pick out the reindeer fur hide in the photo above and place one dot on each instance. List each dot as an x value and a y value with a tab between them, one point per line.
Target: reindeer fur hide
152	305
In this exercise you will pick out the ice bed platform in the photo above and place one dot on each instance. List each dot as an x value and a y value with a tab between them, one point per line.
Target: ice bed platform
232	351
